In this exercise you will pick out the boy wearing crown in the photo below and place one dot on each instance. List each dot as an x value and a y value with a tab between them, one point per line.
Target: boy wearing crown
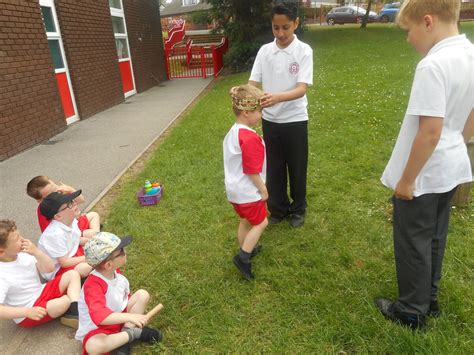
244	169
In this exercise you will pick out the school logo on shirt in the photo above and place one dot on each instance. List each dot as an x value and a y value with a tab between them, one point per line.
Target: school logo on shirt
294	68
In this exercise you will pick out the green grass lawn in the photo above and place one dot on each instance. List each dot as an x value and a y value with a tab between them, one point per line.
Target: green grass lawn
315	286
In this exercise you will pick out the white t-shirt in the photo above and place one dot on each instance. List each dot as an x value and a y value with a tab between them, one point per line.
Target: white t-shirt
244	153
279	70
59	240
20	284
99	298
443	87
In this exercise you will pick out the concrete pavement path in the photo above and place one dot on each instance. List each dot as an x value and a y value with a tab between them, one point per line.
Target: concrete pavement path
91	155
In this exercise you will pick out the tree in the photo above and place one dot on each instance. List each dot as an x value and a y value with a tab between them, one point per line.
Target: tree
366	16
247	25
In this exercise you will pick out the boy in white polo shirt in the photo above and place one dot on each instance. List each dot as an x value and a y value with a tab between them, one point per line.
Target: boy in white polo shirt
61	238
430	157
23	298
244	170
285	69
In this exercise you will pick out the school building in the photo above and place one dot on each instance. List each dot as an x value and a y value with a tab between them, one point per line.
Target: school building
65	60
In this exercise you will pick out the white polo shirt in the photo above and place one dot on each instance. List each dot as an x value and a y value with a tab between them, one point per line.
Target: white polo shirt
279	70
20	285
443	87
59	240
244	153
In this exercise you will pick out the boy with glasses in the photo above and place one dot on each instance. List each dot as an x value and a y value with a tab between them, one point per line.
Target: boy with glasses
61	239
41	186
109	316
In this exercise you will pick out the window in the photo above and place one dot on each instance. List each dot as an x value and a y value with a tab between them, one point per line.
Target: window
48	19
190	2
116	4
122	49
118	25
56	53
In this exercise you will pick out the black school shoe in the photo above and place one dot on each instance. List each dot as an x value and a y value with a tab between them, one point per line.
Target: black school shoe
245	269
434	310
274	220
296	220
412	321
150	334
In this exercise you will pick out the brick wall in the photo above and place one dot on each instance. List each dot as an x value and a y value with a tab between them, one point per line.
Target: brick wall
146	42
89	44
30	107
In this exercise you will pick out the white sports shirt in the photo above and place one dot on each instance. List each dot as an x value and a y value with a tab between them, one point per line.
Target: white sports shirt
99	298
244	153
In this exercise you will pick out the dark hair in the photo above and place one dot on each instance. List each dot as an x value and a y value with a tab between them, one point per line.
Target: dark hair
285	7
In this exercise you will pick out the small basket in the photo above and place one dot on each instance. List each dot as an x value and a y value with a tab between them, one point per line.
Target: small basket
149	200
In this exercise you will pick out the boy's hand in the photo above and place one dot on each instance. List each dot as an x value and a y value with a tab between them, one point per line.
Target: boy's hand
65	189
264	194
404	191
36	313
268	99
140	320
29	247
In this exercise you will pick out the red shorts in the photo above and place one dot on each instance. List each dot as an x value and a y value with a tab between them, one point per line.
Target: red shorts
83	222
254	212
50	292
103	329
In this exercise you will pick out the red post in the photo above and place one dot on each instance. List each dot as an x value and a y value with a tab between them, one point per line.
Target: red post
203	63
214	61
167	60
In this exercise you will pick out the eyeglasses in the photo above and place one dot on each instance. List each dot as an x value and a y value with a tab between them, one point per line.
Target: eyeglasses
69	205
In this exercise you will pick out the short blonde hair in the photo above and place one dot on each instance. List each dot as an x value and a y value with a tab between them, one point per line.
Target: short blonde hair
245	98
415	10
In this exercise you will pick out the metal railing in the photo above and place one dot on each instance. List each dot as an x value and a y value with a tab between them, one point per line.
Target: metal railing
195	61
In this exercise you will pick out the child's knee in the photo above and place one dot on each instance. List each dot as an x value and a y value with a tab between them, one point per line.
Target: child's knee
92	216
58	306
70	277
83	269
143	295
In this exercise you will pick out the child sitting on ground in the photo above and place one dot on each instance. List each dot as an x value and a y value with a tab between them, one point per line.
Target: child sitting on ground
41	186
244	169
22	296
111	318
60	240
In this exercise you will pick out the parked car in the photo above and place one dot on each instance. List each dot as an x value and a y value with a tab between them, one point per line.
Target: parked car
348	14
389	12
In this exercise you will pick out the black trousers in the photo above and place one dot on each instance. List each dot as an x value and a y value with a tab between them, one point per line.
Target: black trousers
420	229
287	157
